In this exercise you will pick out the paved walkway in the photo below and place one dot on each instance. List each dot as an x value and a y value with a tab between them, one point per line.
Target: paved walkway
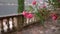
37	29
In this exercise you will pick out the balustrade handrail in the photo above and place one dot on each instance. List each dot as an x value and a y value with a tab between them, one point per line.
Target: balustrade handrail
11	20
10	15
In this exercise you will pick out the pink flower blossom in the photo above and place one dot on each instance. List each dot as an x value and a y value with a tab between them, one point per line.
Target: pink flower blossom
34	2
27	15
54	16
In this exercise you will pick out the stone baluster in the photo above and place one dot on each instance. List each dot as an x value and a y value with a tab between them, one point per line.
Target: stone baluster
10	24
15	22
5	26
27	20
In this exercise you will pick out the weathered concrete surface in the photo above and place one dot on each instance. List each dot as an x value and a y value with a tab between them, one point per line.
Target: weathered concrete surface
37	29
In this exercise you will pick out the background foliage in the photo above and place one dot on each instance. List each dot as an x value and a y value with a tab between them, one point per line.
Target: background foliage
54	3
20	6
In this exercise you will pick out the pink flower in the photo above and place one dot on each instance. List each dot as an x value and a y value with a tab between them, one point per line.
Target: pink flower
27	15
54	16
34	2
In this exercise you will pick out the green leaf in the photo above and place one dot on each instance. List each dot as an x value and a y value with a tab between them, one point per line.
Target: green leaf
41	18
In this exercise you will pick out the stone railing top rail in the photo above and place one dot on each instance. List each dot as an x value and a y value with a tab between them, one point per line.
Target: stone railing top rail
10	15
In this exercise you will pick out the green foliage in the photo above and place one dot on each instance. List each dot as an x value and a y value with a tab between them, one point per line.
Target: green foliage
39	15
29	8
54	3
39	12
20	6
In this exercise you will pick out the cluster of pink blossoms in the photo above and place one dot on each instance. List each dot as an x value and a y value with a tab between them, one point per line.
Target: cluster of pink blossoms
29	15
53	15
34	3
